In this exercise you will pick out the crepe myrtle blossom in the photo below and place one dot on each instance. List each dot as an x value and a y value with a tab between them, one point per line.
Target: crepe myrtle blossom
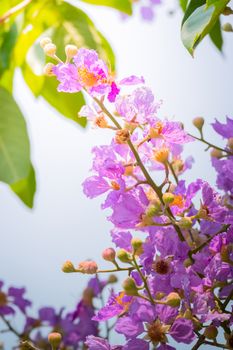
147	9
173	237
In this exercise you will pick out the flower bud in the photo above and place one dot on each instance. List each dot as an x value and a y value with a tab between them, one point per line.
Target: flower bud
88	295
89	267
230	143
216	153
159	295
187	262
45	41
48	69
50	49
68	267
227	27
173	299
162	155
227	11
71	51
122	136
168	197
225	253
130	287
123	256
153	208
112	279
109	254
211	332
54	339
188	314
198	122
185	223
137	245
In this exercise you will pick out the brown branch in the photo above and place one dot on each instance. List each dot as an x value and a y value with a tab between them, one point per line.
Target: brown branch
14	10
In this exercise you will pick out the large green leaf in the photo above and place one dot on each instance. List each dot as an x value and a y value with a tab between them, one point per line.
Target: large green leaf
6	48
25	189
183	4
14	142
200	23
65	103
121	5
216	35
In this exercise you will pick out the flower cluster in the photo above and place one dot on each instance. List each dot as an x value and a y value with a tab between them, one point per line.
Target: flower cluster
69	329
173	238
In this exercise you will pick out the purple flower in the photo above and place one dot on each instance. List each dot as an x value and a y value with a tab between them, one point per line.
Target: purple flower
96	343
225	130
182	331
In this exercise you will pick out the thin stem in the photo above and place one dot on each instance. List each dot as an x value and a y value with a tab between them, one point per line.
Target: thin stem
144	280
117	270
10	327
28	346
14	10
199	342
217	345
102	304
228	299
173	172
211	145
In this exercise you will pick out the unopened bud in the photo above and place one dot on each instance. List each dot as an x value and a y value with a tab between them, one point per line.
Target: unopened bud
130	287
187	262
153	208
225	254
71	51
123	256
211	332
89	267
122	136
162	155
112	279
227	27
173	299
137	245
45	41
48	69
54	339
198	122
227	11
185	223
50	49
168	197
216	153
230	143
188	314
109	254
68	267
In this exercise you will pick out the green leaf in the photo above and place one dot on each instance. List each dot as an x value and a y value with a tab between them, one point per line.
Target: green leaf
6	48
183	4
25	189
216	35
121	5
14	142
67	104
192	6
200	23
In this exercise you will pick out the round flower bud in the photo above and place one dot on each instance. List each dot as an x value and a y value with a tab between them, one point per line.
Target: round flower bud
68	267
112	279
137	246
211	332
71	51
45	41
153	208
122	136
230	143
168	197
50	49
48	69
123	256
54	339
198	122
162	155
109	254
130	287
89	267
216	153
227	27
173	299
185	223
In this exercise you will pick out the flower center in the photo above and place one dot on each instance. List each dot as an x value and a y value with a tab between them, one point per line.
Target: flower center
3	299
161	267
156	332
87	78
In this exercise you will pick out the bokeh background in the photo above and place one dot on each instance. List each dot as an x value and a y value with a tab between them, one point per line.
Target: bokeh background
66	225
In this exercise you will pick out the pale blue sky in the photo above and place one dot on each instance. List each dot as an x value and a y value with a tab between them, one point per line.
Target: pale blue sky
64	224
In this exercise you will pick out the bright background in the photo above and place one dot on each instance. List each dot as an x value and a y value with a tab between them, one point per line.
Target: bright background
64	224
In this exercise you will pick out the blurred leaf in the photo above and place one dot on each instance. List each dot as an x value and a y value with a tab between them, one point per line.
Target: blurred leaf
200	23
216	35
34	82
6	48
121	5
192	6
67	104
14	142
25	189
183	4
